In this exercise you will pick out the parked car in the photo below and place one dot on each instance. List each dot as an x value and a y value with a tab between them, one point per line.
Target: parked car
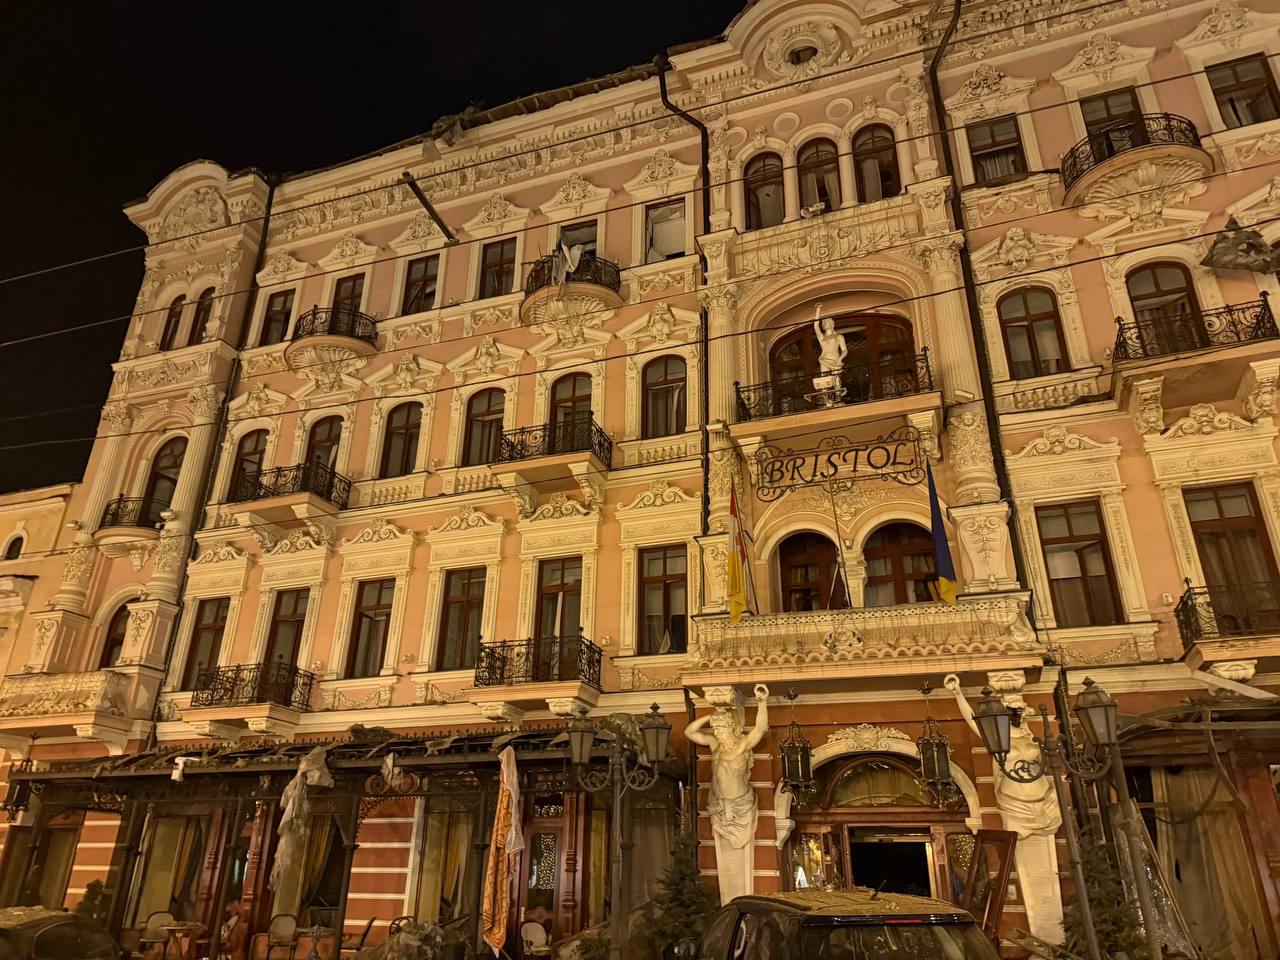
35	933
857	924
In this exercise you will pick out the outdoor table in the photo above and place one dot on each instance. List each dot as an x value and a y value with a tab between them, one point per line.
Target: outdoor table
315	934
177	932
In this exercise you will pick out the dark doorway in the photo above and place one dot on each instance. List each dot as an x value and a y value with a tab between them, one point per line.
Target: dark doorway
890	862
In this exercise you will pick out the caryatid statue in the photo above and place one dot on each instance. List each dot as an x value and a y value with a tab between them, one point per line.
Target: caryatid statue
732	806
1028	809
831	345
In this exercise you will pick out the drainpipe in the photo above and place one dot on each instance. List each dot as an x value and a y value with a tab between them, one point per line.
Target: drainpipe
224	414
971	301
663	63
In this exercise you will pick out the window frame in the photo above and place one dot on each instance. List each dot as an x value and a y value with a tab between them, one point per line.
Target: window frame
378	612
215	630
1028	321
409	447
154	476
667	581
647	389
1256	521
878	153
485	269
752	181
331	443
467	601
645	229
113	637
172	323
1103	539
278	619
201	317
819	166
896	554
977	153
469	417
826	569
1267	84
268	315
542	590
416	288
13	547
239	460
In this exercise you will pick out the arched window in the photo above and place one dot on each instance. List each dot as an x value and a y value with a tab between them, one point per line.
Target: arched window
200	322
899	558
819	175
484	427
13	549
172	320
323	440
400	440
248	463
1032	333
1165	309
877	782
762	183
570	418
810	575
875	164
163	479
663	400
113	642
880	363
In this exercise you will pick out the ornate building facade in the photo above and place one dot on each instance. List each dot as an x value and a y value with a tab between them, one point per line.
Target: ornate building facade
454	487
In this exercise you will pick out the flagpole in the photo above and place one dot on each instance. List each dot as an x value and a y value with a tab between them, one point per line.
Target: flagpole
844	569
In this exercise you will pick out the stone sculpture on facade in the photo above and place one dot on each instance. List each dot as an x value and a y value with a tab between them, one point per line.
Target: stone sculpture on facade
832	351
733	805
1028	809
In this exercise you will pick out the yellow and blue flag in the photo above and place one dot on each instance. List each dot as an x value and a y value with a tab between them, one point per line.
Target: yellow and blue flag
944	571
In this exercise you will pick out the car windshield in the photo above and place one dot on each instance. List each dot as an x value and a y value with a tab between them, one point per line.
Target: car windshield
904	939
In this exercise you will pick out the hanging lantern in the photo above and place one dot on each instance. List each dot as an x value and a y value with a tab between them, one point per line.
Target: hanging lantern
995	723
1241	248
935	755
797	754
582	735
656	730
1096	712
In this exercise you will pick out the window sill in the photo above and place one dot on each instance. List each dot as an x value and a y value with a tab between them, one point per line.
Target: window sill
1096	646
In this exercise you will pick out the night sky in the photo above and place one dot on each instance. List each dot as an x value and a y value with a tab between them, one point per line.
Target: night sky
103	99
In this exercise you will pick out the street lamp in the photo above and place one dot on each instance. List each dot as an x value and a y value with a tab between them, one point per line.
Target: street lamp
1096	711
995	722
625	771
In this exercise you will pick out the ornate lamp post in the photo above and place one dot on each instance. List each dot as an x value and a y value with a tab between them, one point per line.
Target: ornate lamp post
1096	711
625	771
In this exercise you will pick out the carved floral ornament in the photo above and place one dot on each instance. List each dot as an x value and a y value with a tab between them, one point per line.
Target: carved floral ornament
1204	419
576	195
1144	192
200	208
987	93
468	517
866	736
1057	442
800	51
349	251
281	267
421	234
661	493
1020	248
381	530
1101	60
222	551
1225	27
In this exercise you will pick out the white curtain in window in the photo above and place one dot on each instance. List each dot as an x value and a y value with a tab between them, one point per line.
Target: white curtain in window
666	232
869	174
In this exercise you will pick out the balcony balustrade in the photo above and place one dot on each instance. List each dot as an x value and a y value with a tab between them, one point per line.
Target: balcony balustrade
132	512
339	321
1231	610
862	383
1122	136
544	273
580	434
34	696
277	683
314	477
1159	336
572	659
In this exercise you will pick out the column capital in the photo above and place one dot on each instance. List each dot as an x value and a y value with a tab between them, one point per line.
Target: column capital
938	254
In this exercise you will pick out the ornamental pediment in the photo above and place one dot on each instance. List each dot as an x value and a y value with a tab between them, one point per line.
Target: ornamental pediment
409	373
496	215
1261	204
281	267
663	324
1057	441
1020	248
259	401
662	176
1210	444
577	196
988	92
487	358
419	235
349	251
1226	28
1103	60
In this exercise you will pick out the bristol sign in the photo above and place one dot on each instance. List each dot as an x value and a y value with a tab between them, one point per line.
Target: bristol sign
839	462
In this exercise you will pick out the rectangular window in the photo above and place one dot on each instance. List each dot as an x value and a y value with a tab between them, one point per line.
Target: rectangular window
1245	91
996	149
206	640
56	854
369	626
287	620
1081	582
582	234
275	322
664	233
559	597
1231	537
420	285
460	619
1108	109
347	294
497	268
662	591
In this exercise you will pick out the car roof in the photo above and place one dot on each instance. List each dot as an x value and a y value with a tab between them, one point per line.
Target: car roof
858	902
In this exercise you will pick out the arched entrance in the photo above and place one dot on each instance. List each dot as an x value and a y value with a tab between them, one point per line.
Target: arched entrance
872	822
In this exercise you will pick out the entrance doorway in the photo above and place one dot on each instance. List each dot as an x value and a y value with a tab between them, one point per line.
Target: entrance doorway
891	860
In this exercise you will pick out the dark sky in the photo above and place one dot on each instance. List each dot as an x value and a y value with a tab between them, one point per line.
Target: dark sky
103	99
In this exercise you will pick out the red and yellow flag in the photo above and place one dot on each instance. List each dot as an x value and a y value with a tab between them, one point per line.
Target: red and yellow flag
504	846
739	590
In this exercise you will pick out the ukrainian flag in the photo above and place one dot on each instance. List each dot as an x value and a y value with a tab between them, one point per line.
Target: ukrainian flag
944	571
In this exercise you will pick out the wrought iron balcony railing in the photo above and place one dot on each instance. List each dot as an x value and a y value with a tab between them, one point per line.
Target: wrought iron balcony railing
1157	336
339	321
580	434
132	512
539	660
256	683
314	477
862	383
591	269
1128	134
1231	610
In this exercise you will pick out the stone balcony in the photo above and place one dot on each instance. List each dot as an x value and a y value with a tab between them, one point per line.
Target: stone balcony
594	284
562	673
257	699
977	634
92	706
1164	138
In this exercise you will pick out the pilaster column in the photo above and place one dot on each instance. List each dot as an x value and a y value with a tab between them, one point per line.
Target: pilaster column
720	301
968	451
848	187
146	637
954	363
790	186
59	645
983	529
715	565
204	403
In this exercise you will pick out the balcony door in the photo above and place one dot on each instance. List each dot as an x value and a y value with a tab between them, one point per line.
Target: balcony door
1113	121
287	621
163	480
323	440
347	295
1166	309
559	619
570	413
809	571
1237	558
880	362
